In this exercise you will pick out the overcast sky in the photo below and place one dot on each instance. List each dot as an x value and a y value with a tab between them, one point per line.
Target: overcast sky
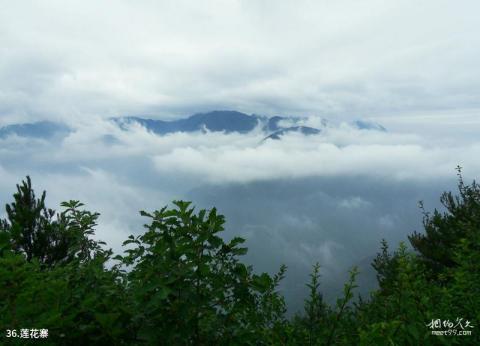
412	66
79	59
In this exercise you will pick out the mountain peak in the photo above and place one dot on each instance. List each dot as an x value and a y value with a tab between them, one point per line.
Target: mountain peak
229	121
304	130
368	125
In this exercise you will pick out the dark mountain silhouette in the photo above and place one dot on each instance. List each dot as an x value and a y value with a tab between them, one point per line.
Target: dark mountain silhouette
215	121
41	129
368	125
305	130
273	123
228	121
223	121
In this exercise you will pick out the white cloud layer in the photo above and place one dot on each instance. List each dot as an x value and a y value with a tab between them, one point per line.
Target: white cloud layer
169	58
118	172
412	66
364	185
218	158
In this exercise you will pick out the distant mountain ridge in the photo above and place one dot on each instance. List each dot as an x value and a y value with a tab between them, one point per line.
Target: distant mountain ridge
233	121
40	129
223	121
226	121
304	130
368	125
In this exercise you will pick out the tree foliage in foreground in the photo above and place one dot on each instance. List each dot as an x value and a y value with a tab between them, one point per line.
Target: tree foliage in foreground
181	283
189	286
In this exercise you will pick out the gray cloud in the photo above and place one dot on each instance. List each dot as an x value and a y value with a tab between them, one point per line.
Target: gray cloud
330	198
302	221
164	58
327	198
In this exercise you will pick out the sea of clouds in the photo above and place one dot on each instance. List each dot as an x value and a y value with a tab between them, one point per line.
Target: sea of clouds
410	66
329	198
